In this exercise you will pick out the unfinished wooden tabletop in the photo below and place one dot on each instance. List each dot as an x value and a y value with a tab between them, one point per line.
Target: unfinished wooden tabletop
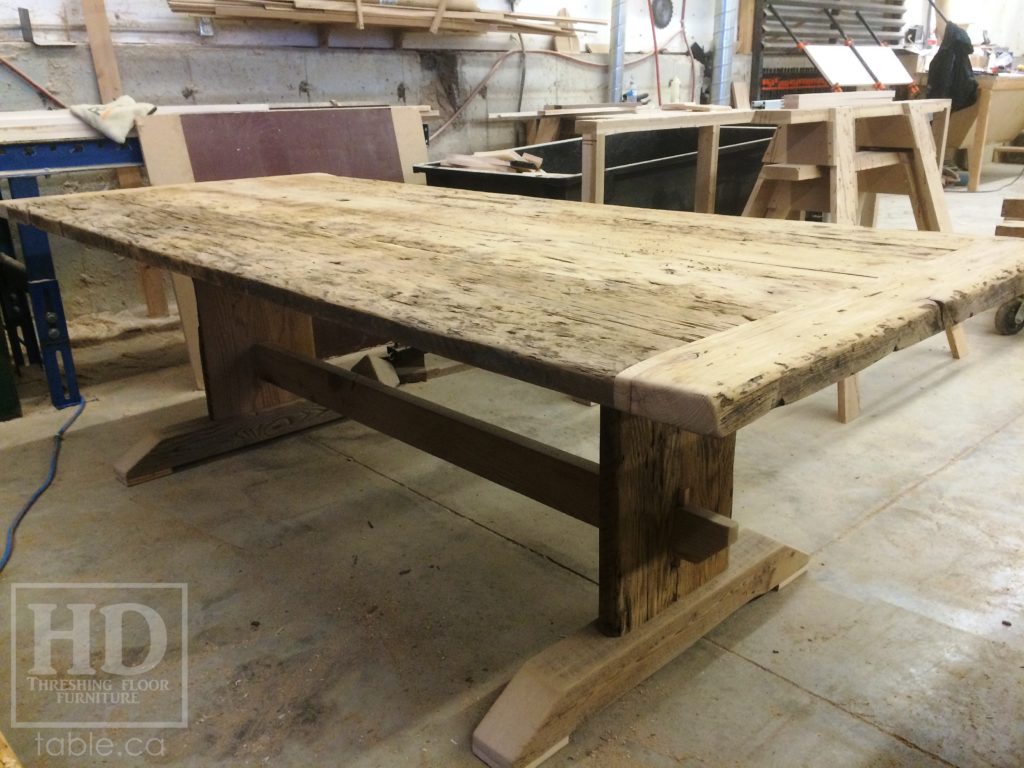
702	321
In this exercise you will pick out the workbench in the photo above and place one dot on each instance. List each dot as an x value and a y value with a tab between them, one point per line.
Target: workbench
682	327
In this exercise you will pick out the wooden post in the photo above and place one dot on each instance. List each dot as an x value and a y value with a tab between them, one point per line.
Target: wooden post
230	324
926	171
243	410
109	81
647	469
976	152
593	168
844	202
707	169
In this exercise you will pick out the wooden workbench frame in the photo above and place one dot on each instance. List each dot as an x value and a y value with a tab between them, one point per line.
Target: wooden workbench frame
836	160
595	132
976	155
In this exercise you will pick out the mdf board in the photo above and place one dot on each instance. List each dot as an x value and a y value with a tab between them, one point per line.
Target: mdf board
346	142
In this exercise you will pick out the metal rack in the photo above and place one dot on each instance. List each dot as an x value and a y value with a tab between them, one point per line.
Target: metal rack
30	301
777	68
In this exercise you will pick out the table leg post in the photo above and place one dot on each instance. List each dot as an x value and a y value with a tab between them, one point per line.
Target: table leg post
645	469
230	323
868	209
243	409
849	399
976	152
926	171
956	336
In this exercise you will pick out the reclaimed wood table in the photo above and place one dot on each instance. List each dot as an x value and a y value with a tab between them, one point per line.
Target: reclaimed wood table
683	327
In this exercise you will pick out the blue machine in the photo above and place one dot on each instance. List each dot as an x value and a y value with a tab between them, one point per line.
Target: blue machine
30	302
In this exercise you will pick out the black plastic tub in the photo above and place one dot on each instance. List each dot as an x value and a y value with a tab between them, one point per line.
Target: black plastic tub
648	169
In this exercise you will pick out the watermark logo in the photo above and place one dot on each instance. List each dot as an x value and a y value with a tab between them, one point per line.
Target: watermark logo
99	655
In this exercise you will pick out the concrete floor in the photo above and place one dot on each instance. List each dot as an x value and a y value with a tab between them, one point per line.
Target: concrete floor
356	603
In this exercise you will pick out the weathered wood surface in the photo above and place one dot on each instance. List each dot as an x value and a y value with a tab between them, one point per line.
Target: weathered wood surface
7	757
704	322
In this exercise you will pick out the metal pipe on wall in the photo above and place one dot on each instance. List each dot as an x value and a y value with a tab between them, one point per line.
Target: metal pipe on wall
726	20
618	46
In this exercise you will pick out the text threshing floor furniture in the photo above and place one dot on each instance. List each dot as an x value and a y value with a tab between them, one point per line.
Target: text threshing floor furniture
683	327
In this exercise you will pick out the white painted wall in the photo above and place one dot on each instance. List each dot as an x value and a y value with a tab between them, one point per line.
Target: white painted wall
1003	19
151	21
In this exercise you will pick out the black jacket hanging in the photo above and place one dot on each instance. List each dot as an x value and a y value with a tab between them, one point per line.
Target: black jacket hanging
950	75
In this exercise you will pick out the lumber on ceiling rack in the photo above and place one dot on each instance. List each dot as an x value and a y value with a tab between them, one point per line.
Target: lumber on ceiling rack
778	68
425	15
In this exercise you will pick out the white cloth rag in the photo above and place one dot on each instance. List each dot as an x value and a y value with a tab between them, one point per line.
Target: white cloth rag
114	120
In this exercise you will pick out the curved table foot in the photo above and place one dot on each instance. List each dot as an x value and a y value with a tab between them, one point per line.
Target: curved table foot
556	690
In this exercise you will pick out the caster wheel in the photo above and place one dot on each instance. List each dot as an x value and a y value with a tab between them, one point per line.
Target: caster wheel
1010	317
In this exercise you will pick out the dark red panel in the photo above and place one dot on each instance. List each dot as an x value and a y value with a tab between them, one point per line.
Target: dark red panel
345	142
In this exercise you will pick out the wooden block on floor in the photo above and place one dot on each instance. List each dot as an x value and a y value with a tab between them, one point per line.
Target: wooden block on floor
1013	208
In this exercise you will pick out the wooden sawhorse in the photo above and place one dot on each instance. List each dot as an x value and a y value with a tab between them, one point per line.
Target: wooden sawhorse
596	130
836	160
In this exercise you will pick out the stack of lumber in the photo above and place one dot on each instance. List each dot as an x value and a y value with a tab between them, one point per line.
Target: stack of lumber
500	160
569	110
434	15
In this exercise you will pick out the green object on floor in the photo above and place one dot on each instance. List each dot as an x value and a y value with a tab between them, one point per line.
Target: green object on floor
10	406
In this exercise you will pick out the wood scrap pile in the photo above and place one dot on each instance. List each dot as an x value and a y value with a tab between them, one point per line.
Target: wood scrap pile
500	161
460	16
